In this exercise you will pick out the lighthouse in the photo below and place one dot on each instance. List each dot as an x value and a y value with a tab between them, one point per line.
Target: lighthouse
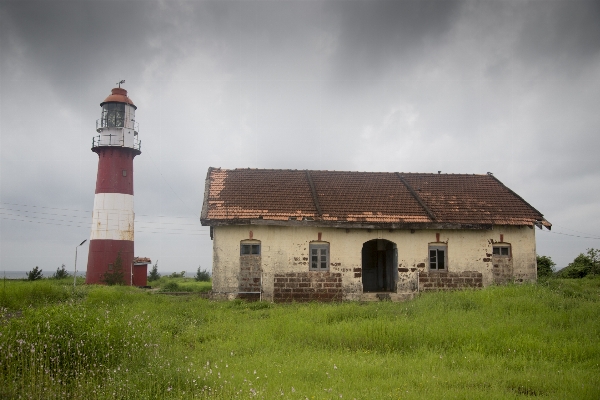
117	144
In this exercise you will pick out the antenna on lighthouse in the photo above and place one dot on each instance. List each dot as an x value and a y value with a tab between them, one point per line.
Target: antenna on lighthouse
119	83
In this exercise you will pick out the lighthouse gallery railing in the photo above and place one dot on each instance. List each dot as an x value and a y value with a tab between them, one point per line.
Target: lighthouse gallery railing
115	140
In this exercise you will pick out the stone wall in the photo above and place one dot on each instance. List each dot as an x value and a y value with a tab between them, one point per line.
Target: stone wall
502	269
449	280
249	278
307	286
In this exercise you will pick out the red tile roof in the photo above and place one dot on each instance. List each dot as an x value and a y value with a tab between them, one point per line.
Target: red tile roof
363	199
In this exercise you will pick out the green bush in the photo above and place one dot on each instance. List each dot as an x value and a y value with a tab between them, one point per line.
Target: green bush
61	273
202	275
34	274
545	266
154	275
170	287
116	275
583	265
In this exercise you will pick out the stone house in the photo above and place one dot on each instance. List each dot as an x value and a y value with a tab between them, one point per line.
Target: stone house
298	235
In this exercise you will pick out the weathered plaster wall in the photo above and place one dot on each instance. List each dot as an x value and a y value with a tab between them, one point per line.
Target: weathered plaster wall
285	250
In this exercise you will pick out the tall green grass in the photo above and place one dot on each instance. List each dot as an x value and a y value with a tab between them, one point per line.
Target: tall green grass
168	284
19	294
497	343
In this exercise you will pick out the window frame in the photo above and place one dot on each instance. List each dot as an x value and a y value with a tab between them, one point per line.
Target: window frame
252	246
319	246
437	248
501	247
113	115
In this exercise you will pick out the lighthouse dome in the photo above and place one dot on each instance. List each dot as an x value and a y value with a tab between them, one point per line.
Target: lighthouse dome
118	95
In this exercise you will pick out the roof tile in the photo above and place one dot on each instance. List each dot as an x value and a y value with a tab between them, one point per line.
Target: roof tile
369	197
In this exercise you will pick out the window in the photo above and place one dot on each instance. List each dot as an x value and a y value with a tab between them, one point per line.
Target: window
248	248
437	258
319	256
501	250
113	115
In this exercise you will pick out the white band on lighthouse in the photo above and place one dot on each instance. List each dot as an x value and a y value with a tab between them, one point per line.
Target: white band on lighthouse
113	216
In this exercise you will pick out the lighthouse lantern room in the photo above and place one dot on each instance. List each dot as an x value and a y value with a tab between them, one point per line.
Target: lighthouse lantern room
111	242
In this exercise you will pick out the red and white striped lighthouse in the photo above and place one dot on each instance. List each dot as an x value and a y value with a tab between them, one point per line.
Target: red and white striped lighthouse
112	222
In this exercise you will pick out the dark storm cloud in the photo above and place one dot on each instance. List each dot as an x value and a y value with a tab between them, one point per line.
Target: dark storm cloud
71	39
374	36
557	32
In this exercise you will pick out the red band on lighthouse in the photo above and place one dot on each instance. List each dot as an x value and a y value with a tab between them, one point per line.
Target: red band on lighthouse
112	236
115	170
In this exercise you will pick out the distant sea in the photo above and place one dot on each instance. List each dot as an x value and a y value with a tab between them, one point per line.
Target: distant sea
23	274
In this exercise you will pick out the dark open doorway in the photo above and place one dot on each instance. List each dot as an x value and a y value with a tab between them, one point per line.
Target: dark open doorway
379	266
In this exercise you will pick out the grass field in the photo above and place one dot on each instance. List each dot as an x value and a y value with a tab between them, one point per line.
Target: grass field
503	342
168	284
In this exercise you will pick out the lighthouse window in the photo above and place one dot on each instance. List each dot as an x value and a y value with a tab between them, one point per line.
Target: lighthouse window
124	172
113	115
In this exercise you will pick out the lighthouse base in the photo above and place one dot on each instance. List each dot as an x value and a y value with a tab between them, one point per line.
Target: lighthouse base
102	260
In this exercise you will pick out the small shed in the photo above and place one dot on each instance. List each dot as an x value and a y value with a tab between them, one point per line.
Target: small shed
140	271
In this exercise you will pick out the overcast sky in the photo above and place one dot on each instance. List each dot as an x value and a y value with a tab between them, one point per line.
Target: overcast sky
511	87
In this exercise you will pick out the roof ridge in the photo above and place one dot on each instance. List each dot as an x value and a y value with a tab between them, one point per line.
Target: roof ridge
349	171
314	193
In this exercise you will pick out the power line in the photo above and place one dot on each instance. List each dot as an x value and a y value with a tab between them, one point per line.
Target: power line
40	212
27	216
87	217
39	222
56	221
51	208
79	226
569	229
577	236
86	211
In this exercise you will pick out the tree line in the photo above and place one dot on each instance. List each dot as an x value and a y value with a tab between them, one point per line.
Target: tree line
585	264
115	276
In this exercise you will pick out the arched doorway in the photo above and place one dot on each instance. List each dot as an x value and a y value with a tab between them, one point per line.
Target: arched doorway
379	266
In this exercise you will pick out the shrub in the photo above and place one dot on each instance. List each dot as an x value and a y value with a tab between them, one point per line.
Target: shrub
583	265
154	275
34	274
116	276
202	275
170	287
61	273
545	266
